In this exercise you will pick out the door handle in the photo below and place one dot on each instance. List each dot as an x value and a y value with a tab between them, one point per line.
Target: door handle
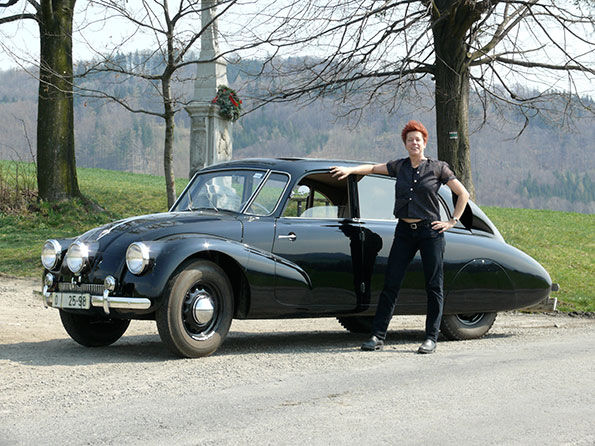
291	237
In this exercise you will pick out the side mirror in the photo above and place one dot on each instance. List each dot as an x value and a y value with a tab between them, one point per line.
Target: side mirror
301	191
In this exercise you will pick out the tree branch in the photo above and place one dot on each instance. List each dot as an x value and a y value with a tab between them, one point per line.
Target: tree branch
504	28
17	17
528	64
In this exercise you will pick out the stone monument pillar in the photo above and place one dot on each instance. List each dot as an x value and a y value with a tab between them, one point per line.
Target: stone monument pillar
211	135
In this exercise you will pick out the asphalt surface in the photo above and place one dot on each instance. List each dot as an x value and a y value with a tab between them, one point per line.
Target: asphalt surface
531	380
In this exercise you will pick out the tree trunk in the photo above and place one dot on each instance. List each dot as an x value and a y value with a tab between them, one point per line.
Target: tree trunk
452	20
56	166
168	154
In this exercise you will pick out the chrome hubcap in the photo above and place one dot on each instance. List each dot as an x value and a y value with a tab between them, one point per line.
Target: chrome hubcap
203	307
201	311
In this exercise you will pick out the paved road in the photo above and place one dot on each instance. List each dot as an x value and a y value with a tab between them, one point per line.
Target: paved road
530	381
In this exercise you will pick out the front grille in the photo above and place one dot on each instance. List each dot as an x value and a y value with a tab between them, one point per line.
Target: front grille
91	288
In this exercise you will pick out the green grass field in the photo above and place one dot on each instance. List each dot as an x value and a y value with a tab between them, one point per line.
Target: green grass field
563	242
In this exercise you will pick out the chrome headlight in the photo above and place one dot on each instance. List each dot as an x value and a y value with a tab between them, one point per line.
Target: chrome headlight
137	257
77	257
50	254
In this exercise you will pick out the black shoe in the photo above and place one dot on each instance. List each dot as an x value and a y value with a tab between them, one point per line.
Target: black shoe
373	344
428	346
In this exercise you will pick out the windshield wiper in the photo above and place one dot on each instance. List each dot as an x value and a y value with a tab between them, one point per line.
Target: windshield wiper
230	211
204	208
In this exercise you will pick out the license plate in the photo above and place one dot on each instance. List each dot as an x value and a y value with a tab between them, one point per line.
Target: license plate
71	300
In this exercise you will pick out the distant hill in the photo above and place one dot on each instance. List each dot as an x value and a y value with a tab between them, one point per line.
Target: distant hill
541	169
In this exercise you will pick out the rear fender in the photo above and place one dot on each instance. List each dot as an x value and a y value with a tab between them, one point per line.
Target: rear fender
481	285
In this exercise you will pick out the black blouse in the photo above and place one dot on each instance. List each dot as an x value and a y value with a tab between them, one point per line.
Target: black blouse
416	189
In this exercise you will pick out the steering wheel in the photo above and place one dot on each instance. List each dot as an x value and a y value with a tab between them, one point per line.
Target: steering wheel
260	206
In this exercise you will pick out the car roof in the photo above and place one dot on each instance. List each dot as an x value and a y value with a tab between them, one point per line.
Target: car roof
293	166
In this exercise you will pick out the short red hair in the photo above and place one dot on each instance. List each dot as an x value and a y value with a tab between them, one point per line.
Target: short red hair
414	126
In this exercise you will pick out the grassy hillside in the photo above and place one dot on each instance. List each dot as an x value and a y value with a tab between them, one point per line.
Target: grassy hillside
563	242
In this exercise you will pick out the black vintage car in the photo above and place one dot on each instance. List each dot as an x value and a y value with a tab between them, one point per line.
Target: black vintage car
274	238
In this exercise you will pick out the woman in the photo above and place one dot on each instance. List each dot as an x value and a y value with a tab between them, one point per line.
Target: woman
419	228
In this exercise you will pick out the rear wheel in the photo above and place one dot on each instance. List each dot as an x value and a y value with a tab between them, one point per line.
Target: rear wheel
357	324
458	327
93	330
198	309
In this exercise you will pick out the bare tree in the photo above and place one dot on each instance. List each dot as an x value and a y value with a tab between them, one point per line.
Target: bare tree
174	34
363	50
56	165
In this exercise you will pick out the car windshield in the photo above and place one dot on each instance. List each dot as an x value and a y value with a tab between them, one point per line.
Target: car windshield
220	191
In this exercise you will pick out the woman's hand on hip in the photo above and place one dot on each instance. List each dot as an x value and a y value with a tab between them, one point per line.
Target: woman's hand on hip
442	226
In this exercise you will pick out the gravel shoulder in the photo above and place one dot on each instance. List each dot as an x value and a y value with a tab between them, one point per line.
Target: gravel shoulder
294	380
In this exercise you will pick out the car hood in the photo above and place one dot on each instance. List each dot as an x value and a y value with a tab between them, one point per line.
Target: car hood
158	226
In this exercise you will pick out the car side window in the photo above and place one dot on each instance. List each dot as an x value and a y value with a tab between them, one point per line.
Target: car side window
266	201
318	196
376	197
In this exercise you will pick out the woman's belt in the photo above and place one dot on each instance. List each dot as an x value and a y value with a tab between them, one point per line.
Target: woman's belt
417	224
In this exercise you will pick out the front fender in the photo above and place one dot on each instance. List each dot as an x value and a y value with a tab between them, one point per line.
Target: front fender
260	267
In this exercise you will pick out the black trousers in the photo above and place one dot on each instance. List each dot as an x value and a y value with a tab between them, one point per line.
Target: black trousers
406	243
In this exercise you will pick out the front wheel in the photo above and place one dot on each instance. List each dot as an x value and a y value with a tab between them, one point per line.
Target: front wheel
197	312
93	330
458	327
